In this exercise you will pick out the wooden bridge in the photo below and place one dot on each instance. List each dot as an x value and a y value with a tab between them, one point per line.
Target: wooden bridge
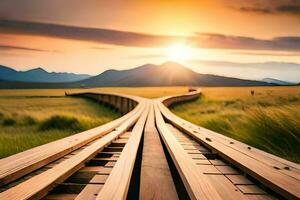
148	153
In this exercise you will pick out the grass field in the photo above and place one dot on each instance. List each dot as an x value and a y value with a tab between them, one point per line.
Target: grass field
268	120
29	118
29	122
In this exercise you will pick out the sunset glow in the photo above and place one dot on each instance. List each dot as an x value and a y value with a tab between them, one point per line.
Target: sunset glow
178	52
95	36
147	93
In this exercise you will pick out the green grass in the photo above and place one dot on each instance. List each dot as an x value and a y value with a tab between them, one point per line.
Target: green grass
268	120
29	122
30	118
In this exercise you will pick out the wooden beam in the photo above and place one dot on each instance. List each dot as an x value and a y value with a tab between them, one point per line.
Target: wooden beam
117	184
156	179
38	186
279	182
196	183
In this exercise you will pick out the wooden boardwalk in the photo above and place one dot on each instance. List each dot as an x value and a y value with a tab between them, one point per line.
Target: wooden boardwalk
148	153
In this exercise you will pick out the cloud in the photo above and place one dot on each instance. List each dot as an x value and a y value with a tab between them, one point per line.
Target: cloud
211	40
263	65
256	9
132	39
104	36
10	47
288	7
268	53
292	9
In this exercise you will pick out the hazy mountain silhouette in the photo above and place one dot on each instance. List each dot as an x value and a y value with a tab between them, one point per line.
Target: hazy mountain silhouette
166	74
277	81
38	75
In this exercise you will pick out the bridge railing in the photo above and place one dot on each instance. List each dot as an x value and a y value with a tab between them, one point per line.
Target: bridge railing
122	103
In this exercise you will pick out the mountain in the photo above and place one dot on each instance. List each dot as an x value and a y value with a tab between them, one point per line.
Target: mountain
38	75
278	82
167	74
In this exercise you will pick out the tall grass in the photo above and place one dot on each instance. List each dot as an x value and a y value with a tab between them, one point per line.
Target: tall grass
29	118
275	130
270	120
26	123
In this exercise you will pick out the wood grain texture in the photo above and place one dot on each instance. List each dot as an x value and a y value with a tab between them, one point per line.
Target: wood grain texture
117	184
255	163
220	182
196	184
38	186
156	180
203	178
25	162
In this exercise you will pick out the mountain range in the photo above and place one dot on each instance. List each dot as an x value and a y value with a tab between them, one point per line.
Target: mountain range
38	75
166	74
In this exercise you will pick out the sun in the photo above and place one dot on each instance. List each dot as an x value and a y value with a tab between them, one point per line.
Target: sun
178	52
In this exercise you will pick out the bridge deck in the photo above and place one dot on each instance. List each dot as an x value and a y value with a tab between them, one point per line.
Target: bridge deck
156	179
148	153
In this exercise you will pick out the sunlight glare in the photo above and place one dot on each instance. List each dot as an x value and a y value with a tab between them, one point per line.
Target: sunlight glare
178	52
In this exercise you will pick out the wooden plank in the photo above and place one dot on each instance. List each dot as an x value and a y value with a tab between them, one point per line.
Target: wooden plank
39	185
117	184
260	197
193	151
239	179
110	164
251	189
208	169
89	192
225	188
22	163
281	183
283	166
260	155
121	141
201	162
197	185
113	153
156	181
111	159
99	179
198	156
125	135
227	170
286	167
218	162
101	176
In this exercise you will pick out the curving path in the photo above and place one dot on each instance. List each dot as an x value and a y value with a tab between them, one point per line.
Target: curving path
148	153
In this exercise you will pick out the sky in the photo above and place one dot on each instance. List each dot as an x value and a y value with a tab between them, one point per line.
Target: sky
251	39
